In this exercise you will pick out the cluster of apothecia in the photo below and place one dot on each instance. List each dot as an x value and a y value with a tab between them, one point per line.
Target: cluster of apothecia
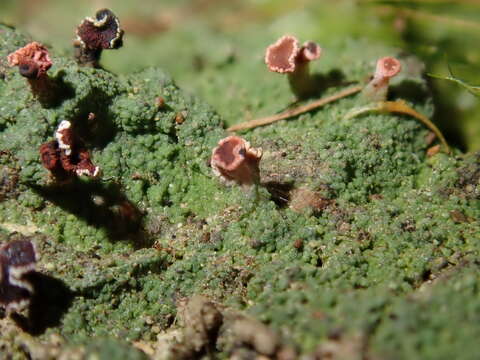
234	161
67	156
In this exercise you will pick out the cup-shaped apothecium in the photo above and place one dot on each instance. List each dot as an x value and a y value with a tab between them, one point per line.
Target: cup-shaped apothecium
33	61
287	56
235	161
377	88
67	156
95	35
17	259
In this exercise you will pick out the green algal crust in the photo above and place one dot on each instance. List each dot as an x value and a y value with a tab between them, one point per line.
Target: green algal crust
390	236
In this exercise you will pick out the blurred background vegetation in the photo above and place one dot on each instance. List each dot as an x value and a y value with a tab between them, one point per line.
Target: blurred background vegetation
195	41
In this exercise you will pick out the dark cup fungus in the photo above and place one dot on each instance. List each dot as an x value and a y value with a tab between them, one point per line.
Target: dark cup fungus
95	35
17	259
67	155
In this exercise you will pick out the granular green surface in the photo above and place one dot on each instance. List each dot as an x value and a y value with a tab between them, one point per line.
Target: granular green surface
355	237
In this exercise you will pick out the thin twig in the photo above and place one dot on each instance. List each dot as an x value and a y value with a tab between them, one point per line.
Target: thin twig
295	111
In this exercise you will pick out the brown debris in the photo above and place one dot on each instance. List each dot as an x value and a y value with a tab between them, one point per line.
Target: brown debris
430	138
251	332
9	176
201	322
432	151
342	347
179	118
159	102
459	217
304	199
298	244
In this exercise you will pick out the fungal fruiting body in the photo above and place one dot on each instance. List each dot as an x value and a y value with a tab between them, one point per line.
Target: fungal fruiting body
82	164
377	89
64	136
17	260
67	155
287	56
235	161
33	61
50	159
97	34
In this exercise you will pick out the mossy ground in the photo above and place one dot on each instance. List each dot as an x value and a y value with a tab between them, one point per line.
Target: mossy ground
385	258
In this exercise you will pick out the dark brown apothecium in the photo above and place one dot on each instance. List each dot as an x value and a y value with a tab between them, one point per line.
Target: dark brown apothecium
17	259
95	35
67	155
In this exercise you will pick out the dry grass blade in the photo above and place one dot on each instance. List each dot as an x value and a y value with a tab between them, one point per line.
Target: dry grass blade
399	107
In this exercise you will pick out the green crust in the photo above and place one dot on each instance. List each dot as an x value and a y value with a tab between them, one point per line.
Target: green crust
388	260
